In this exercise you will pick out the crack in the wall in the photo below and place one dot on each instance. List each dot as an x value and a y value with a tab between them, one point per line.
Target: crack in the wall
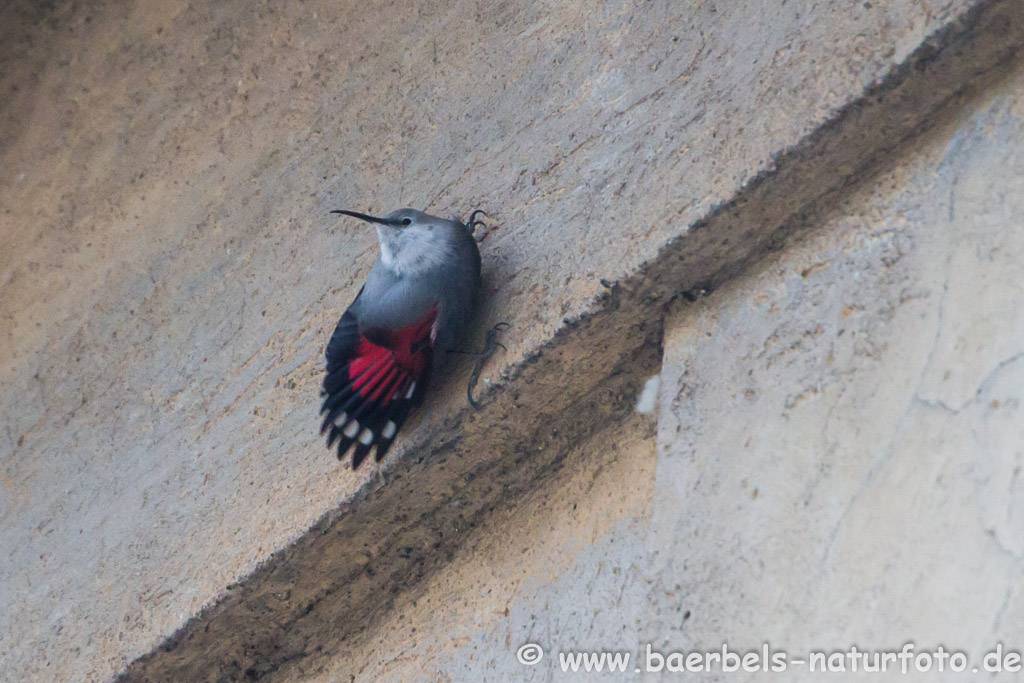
1007	596
987	380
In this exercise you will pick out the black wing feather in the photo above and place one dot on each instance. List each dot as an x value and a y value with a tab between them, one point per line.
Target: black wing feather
342	399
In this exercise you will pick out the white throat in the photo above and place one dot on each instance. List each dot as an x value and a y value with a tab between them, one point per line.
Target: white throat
412	250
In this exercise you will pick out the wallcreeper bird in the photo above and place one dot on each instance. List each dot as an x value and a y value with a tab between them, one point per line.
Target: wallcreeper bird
420	296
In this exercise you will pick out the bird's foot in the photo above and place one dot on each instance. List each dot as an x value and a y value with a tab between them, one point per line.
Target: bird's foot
491	344
474	222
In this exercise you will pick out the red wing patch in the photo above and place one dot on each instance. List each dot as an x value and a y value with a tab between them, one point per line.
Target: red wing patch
371	386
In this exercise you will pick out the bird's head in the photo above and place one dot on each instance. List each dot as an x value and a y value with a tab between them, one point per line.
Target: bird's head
410	240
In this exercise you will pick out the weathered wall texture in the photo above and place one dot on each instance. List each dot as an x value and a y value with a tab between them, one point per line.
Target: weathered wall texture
169	279
840	439
838	455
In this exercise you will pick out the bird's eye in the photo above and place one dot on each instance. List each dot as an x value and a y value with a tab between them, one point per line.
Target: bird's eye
406	221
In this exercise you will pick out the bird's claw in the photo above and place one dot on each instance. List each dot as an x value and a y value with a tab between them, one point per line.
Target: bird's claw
473	222
491	344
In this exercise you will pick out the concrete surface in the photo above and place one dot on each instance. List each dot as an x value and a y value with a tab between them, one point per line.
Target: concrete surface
169	278
837	457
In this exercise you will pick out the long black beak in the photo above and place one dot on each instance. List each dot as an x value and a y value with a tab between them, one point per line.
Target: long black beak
364	217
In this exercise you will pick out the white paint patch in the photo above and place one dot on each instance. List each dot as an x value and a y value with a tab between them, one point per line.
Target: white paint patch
647	401
341	419
351	430
389	430
366	438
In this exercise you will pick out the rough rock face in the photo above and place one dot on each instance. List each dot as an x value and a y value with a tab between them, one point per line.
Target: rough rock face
169	278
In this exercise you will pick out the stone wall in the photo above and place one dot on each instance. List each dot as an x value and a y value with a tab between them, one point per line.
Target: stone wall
836	462
840	183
